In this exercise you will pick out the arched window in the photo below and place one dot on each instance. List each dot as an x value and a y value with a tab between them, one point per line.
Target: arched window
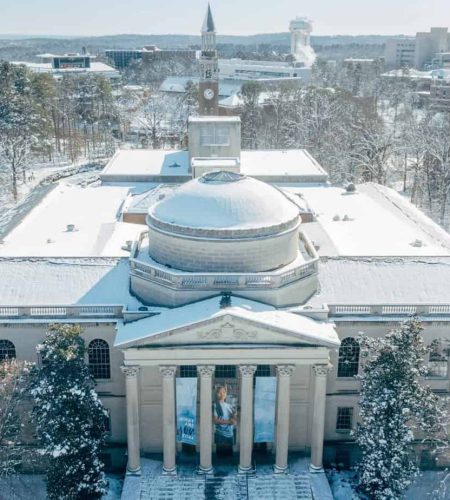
438	362
348	362
99	361
7	350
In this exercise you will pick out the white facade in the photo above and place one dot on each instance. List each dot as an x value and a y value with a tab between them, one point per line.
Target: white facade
225	281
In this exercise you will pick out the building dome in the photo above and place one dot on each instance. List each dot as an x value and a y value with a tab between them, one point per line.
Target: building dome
224	222
225	205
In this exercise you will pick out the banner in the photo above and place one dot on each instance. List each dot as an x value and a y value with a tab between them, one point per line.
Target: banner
187	410
265	400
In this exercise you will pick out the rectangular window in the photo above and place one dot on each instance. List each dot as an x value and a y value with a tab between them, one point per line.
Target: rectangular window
344	419
188	371
263	371
107	423
214	135
225	371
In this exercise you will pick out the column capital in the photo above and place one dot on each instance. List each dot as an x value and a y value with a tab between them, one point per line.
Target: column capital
247	370
167	371
206	370
321	370
285	370
130	371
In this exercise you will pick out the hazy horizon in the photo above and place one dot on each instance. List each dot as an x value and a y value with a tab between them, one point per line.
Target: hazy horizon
66	18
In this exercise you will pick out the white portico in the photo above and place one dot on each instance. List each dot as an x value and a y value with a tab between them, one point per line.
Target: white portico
205	335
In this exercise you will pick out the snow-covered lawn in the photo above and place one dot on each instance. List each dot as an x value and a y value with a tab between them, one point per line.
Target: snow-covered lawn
26	486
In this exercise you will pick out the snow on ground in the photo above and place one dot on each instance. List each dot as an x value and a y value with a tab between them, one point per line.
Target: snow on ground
26	486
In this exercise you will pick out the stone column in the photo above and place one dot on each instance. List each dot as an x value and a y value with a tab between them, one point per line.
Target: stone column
169	424
132	401
246	418
284	373
206	373
318	424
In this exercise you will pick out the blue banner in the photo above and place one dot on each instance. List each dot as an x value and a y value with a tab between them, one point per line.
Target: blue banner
187	410
265	399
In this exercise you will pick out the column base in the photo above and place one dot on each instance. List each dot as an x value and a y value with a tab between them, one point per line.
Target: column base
314	469
201	471
280	470
246	470
134	472
169	472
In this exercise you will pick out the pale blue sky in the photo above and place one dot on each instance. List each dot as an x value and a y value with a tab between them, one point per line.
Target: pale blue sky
98	17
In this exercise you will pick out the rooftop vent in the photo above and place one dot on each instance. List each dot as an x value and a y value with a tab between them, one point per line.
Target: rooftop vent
70	228
417	243
336	218
161	197
174	165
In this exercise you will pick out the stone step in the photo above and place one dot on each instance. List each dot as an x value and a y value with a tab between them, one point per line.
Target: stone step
233	487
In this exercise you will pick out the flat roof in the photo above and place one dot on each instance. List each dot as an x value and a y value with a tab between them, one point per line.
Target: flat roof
150	165
208	119
270	163
374	221
383	280
94	212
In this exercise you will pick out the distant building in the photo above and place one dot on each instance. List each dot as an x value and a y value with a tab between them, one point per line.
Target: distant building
122	58
399	52
301	49
421	52
440	95
71	64
257	70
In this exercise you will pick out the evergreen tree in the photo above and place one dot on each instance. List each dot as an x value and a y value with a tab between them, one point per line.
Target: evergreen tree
394	405
69	417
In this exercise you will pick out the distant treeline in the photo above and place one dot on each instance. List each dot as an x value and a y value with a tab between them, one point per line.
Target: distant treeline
16	48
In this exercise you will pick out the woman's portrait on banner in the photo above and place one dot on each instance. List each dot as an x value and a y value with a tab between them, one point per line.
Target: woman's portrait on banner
225	418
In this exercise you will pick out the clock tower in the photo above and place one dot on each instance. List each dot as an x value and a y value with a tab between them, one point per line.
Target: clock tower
209	66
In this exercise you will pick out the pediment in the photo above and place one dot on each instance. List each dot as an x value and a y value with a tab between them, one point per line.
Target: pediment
228	329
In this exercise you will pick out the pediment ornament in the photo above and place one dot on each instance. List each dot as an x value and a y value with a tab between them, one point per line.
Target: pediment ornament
228	332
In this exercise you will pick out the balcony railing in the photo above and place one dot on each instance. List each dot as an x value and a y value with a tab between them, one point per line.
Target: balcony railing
222	281
57	312
389	309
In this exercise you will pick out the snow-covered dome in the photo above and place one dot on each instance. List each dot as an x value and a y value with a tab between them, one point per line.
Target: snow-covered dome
226	203
224	222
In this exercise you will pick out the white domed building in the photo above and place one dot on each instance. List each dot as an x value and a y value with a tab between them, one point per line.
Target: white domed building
224	232
210	272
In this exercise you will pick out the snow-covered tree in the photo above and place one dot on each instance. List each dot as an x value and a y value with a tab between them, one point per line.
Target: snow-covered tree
395	408
69	416
13	394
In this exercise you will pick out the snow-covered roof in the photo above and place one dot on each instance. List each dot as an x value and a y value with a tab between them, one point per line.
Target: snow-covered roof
374	221
150	165
92	211
282	163
179	85
146	164
172	319
223	200
58	281
95	67
383	280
